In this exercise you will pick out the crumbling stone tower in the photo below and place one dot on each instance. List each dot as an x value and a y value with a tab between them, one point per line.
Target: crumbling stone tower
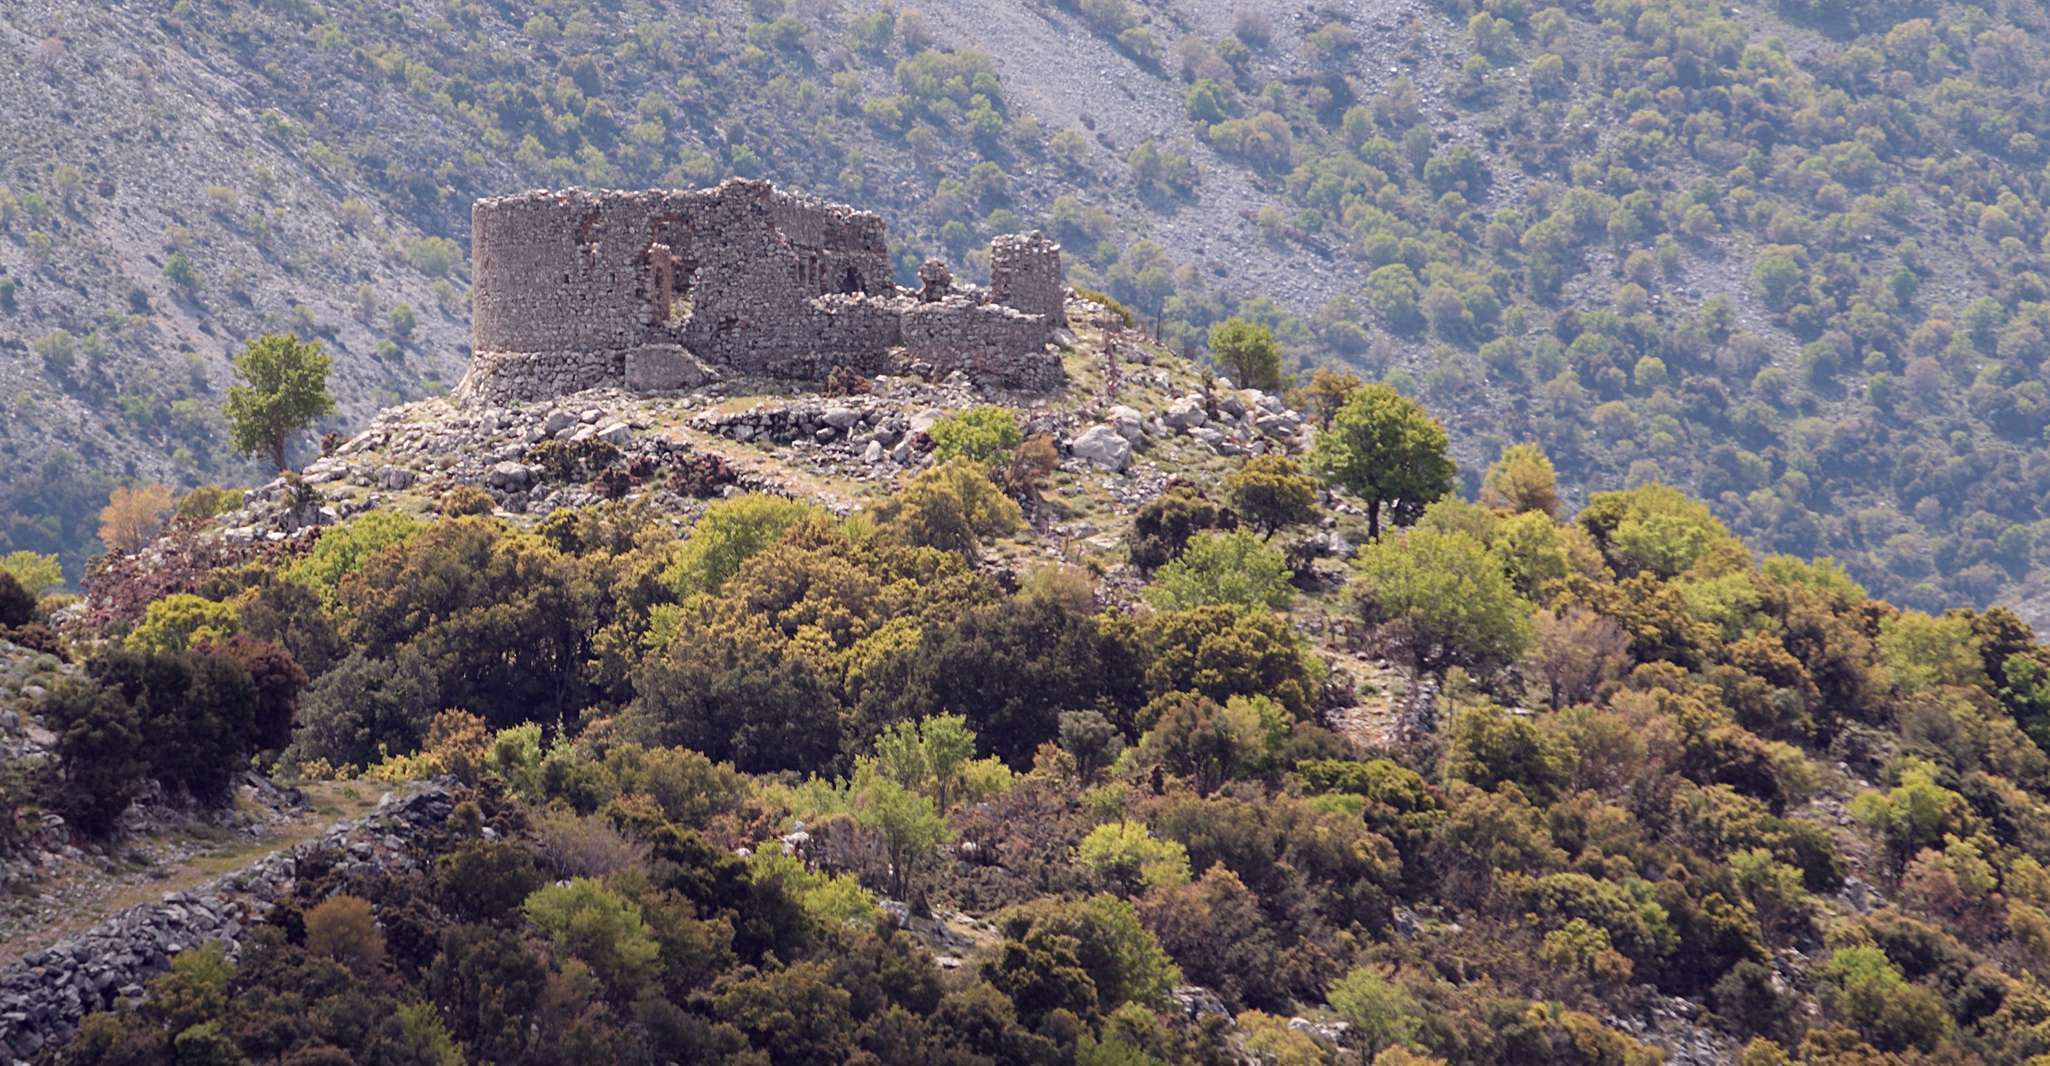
658	290
1025	273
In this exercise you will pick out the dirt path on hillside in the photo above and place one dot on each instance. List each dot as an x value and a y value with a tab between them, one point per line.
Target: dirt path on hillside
84	893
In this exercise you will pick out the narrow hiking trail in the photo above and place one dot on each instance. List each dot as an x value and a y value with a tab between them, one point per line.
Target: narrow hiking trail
90	888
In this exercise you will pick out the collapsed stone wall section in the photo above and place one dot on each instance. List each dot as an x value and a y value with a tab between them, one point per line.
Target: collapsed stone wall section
578	289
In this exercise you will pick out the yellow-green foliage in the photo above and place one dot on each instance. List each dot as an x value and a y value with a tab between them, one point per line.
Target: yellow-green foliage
953	506
177	622
1124	854
605	930
1659	529
342	550
1922	652
985	434
35	572
833	900
731	532
1235	569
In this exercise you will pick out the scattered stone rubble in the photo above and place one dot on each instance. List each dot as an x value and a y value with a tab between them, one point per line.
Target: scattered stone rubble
1228	421
45	995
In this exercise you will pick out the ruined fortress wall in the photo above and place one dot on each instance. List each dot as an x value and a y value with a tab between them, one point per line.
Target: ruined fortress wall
573	289
1025	273
993	344
585	271
556	272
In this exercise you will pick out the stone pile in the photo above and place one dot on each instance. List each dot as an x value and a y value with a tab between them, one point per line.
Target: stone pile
1229	422
868	427
1236	421
46	994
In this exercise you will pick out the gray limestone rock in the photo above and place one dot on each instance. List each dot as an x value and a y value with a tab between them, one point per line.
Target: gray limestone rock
1104	446
509	476
1185	413
1128	423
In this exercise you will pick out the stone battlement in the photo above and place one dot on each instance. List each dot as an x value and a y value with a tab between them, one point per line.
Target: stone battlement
656	290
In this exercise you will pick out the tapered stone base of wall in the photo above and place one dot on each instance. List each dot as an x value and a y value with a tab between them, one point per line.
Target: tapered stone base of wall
523	377
665	368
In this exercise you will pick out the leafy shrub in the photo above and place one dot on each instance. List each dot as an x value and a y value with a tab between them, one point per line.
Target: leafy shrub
1235	569
732	531
1443	599
985	434
465	500
952	506
1162	527
17	604
342	550
344	929
597	925
176	623
1124	855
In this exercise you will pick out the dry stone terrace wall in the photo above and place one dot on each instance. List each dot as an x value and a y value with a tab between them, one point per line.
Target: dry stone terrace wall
657	290
45	995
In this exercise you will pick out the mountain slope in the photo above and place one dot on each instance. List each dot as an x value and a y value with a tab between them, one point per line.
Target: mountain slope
1789	261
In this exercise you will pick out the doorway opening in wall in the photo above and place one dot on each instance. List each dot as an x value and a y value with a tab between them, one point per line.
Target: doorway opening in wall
850	282
670	288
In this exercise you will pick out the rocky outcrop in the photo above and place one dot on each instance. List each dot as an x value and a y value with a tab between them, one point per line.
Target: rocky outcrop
45	995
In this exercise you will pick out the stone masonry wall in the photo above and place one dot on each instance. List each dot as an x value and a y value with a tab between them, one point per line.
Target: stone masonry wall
578	289
1025	273
991	343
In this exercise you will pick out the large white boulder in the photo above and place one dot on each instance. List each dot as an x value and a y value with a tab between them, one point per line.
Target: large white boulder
1104	446
1128	423
1186	413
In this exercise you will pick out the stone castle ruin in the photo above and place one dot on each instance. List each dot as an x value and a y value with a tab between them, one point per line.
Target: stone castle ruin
662	289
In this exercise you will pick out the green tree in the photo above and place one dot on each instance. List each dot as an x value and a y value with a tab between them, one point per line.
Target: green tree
930	755
36	573
1442	596
1871	991
1124	855
282	389
1915	814
732	531
591	921
1235	569
1387	450
1654	528
1522	480
1393	291
99	752
908	823
1248	351
176	622
1122	961
1091	740
342	550
1272	492
1921	651
952	506
1163	527
1382	1012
